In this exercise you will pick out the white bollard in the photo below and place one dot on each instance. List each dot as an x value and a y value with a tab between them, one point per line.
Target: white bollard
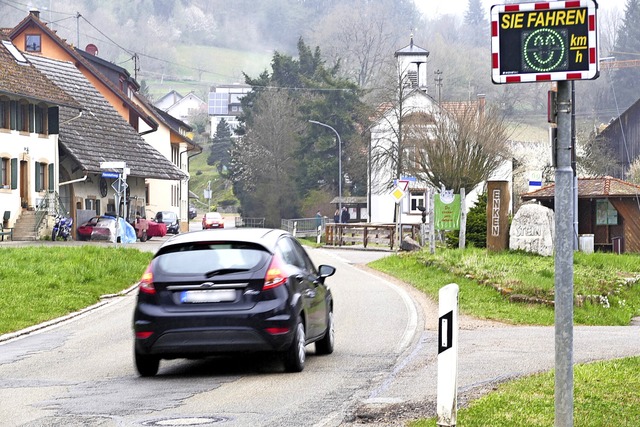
319	235
447	389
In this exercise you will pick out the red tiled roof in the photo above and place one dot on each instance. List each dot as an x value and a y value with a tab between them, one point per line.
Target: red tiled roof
591	187
25	80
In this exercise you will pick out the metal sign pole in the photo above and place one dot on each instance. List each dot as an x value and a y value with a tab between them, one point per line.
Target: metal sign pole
564	262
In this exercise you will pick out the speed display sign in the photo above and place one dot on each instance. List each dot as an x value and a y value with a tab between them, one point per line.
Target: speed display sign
544	41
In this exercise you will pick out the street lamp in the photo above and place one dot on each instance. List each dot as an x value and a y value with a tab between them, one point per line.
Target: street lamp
339	162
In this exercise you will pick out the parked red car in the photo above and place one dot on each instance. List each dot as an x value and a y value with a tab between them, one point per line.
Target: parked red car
212	220
146	229
104	227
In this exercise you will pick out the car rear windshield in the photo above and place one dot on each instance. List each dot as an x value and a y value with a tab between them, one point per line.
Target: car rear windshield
207	258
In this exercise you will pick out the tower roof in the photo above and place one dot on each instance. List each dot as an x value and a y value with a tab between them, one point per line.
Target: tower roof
412	49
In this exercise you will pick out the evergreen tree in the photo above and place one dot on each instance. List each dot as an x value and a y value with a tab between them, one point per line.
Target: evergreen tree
475	14
625	80
319	94
221	147
476	23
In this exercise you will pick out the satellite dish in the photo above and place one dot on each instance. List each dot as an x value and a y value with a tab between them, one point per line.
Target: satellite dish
92	49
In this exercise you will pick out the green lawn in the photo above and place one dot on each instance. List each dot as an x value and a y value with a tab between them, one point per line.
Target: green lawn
518	288
41	283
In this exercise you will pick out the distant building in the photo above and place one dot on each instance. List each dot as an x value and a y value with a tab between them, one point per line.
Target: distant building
181	107
224	103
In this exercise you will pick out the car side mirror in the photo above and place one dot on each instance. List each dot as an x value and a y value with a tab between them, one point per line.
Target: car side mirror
326	271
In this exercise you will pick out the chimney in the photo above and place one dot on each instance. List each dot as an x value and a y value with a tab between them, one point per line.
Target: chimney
482	101
35	13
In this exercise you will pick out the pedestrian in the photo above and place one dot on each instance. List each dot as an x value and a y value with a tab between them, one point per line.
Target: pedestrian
345	217
318	219
336	216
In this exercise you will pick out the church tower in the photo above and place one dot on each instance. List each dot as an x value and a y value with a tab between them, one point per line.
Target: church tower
412	64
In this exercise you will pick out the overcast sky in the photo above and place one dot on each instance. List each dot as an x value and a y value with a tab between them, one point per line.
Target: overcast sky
440	7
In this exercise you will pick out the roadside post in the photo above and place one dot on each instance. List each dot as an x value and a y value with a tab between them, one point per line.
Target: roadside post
447	388
547	42
120	188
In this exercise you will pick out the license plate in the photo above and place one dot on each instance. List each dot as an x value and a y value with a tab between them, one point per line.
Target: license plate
209	295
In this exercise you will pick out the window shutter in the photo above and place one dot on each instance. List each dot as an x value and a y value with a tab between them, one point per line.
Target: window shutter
32	118
14	174
13	115
51	176
38	184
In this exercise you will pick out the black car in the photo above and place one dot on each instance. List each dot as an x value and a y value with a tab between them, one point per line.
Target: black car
170	219
235	290
193	212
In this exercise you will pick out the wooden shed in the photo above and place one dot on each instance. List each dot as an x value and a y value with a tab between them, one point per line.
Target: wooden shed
608	208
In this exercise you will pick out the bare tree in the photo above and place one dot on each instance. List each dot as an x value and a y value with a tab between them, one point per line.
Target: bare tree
461	150
361	37
633	174
265	159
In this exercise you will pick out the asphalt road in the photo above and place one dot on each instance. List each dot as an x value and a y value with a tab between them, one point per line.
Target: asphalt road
382	373
80	371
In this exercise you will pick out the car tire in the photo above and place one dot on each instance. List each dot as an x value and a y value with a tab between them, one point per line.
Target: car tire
146	365
326	344
295	356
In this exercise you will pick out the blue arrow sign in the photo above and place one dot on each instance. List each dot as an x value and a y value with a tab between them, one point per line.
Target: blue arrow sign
110	175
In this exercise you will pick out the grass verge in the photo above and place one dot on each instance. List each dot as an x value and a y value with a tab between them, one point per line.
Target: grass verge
518	288
605	394
42	283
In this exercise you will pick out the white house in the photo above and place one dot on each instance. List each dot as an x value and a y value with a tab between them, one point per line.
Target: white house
182	106
224	103
29	123
384	181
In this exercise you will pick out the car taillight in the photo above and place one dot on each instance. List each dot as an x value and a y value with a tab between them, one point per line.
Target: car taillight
146	282
277	331
143	335
275	275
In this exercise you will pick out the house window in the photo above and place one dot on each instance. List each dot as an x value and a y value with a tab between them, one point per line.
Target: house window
416	200
22	117
40	118
33	43
175	155
41	176
4	172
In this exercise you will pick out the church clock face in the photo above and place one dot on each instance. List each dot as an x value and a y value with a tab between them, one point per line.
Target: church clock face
103	187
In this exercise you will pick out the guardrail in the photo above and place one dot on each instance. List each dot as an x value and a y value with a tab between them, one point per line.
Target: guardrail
242	222
303	227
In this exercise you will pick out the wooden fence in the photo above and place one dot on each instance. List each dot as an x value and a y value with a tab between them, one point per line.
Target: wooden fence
367	234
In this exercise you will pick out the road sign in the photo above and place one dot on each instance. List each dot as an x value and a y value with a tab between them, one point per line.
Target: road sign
113	165
397	194
114	175
119	185
544	41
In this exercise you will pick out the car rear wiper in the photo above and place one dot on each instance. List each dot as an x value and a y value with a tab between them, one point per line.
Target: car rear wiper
222	271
